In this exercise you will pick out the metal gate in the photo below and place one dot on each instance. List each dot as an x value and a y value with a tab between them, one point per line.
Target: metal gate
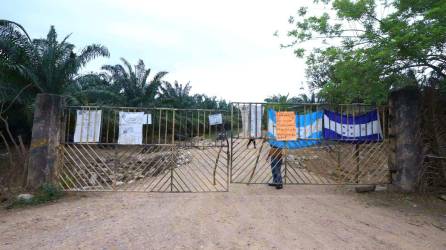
318	160
169	150
179	150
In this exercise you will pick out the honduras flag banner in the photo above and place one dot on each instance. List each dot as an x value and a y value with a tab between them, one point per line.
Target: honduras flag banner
308	127
356	129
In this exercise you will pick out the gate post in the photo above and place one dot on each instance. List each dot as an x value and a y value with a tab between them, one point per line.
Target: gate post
406	156
47	132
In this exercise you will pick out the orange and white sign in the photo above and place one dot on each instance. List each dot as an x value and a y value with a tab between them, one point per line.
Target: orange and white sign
286	126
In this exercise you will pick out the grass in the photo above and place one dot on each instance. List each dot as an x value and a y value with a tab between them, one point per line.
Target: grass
46	193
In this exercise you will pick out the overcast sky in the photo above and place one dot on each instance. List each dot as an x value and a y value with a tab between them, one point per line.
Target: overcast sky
225	48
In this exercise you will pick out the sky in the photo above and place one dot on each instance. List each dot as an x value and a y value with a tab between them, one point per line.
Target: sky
223	48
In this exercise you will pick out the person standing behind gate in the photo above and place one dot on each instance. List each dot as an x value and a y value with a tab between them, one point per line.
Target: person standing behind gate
275	155
253	140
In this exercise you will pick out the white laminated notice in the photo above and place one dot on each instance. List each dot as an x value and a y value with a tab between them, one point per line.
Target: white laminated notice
88	126
215	119
252	120
130	127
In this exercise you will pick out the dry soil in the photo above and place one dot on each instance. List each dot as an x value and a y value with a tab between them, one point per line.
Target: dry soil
247	217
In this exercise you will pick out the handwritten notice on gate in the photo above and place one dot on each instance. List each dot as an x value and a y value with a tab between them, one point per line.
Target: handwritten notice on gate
286	126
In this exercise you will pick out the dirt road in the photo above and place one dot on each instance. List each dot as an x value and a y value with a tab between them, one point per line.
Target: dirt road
255	216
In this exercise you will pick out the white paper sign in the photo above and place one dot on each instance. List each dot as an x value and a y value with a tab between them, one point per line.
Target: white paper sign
148	119
215	119
88	126
130	127
252	120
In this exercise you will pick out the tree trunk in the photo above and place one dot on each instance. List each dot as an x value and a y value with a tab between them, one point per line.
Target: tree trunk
46	134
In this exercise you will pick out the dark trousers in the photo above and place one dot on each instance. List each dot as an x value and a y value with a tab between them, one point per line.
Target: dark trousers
276	167
249	142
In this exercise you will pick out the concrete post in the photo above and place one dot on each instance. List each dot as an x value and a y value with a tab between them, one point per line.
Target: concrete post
46	134
406	156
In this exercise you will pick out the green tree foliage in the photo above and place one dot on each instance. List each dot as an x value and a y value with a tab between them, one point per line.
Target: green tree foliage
203	101
31	66
285	99
369	47
47	64
13	41
175	95
178	96
133	83
94	89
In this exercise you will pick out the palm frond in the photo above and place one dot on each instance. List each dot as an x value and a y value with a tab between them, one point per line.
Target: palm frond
91	52
4	22
159	76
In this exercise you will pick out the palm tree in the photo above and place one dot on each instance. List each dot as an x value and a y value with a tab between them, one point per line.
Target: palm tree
304	98
133	83
13	37
209	102
94	89
175	95
30	66
282	99
48	65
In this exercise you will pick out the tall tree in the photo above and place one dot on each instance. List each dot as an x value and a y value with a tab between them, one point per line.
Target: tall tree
175	95
47	64
285	99
371	46
282	99
94	89
30	66
133	83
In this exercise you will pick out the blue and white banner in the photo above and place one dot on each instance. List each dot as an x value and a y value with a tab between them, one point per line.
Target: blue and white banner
308	127
360	128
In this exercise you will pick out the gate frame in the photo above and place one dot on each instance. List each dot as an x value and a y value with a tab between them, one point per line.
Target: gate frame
169	140
48	142
384	123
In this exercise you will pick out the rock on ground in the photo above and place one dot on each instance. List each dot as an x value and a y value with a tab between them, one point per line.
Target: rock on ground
25	197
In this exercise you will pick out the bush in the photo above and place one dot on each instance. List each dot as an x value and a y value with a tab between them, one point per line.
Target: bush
46	193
